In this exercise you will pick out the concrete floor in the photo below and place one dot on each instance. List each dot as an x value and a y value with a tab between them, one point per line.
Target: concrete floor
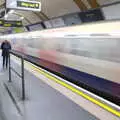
42	101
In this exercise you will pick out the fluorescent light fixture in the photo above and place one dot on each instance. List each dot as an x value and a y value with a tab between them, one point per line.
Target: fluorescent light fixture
6	16
21	18
11	11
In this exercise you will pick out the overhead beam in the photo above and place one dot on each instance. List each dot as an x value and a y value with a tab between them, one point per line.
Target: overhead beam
81	5
44	15
93	3
41	15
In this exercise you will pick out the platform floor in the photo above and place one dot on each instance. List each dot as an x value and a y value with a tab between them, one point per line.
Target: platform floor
42	101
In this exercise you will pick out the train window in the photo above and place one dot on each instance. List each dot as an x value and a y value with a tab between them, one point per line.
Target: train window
60	45
38	43
74	46
30	42
67	46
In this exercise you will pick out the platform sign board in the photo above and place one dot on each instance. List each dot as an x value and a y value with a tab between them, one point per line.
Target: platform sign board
23	5
1	22
6	23
18	30
91	15
12	23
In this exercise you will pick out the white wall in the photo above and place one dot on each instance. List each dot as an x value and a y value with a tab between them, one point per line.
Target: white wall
103	2
112	12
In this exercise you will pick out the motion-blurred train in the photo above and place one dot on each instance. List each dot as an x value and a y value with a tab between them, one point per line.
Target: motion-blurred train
87	55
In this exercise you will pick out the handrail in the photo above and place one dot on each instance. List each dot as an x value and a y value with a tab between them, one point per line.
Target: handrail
20	75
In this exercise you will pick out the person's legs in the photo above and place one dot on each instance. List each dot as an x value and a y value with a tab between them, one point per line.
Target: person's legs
3	61
6	61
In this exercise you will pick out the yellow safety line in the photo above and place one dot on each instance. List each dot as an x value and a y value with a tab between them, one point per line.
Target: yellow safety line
97	102
93	100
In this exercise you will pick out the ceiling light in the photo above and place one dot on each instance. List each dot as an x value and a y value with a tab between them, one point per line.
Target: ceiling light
6	16
11	11
21	18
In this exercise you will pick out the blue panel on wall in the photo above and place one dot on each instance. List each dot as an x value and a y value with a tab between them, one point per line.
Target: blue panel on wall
91	15
72	19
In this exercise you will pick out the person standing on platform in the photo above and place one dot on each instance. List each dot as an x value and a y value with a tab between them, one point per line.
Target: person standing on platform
5	46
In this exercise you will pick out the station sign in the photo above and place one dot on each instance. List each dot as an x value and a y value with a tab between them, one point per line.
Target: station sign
24	5
28	5
6	23
1	22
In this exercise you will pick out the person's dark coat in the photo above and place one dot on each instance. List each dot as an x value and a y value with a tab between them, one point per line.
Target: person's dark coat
5	46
